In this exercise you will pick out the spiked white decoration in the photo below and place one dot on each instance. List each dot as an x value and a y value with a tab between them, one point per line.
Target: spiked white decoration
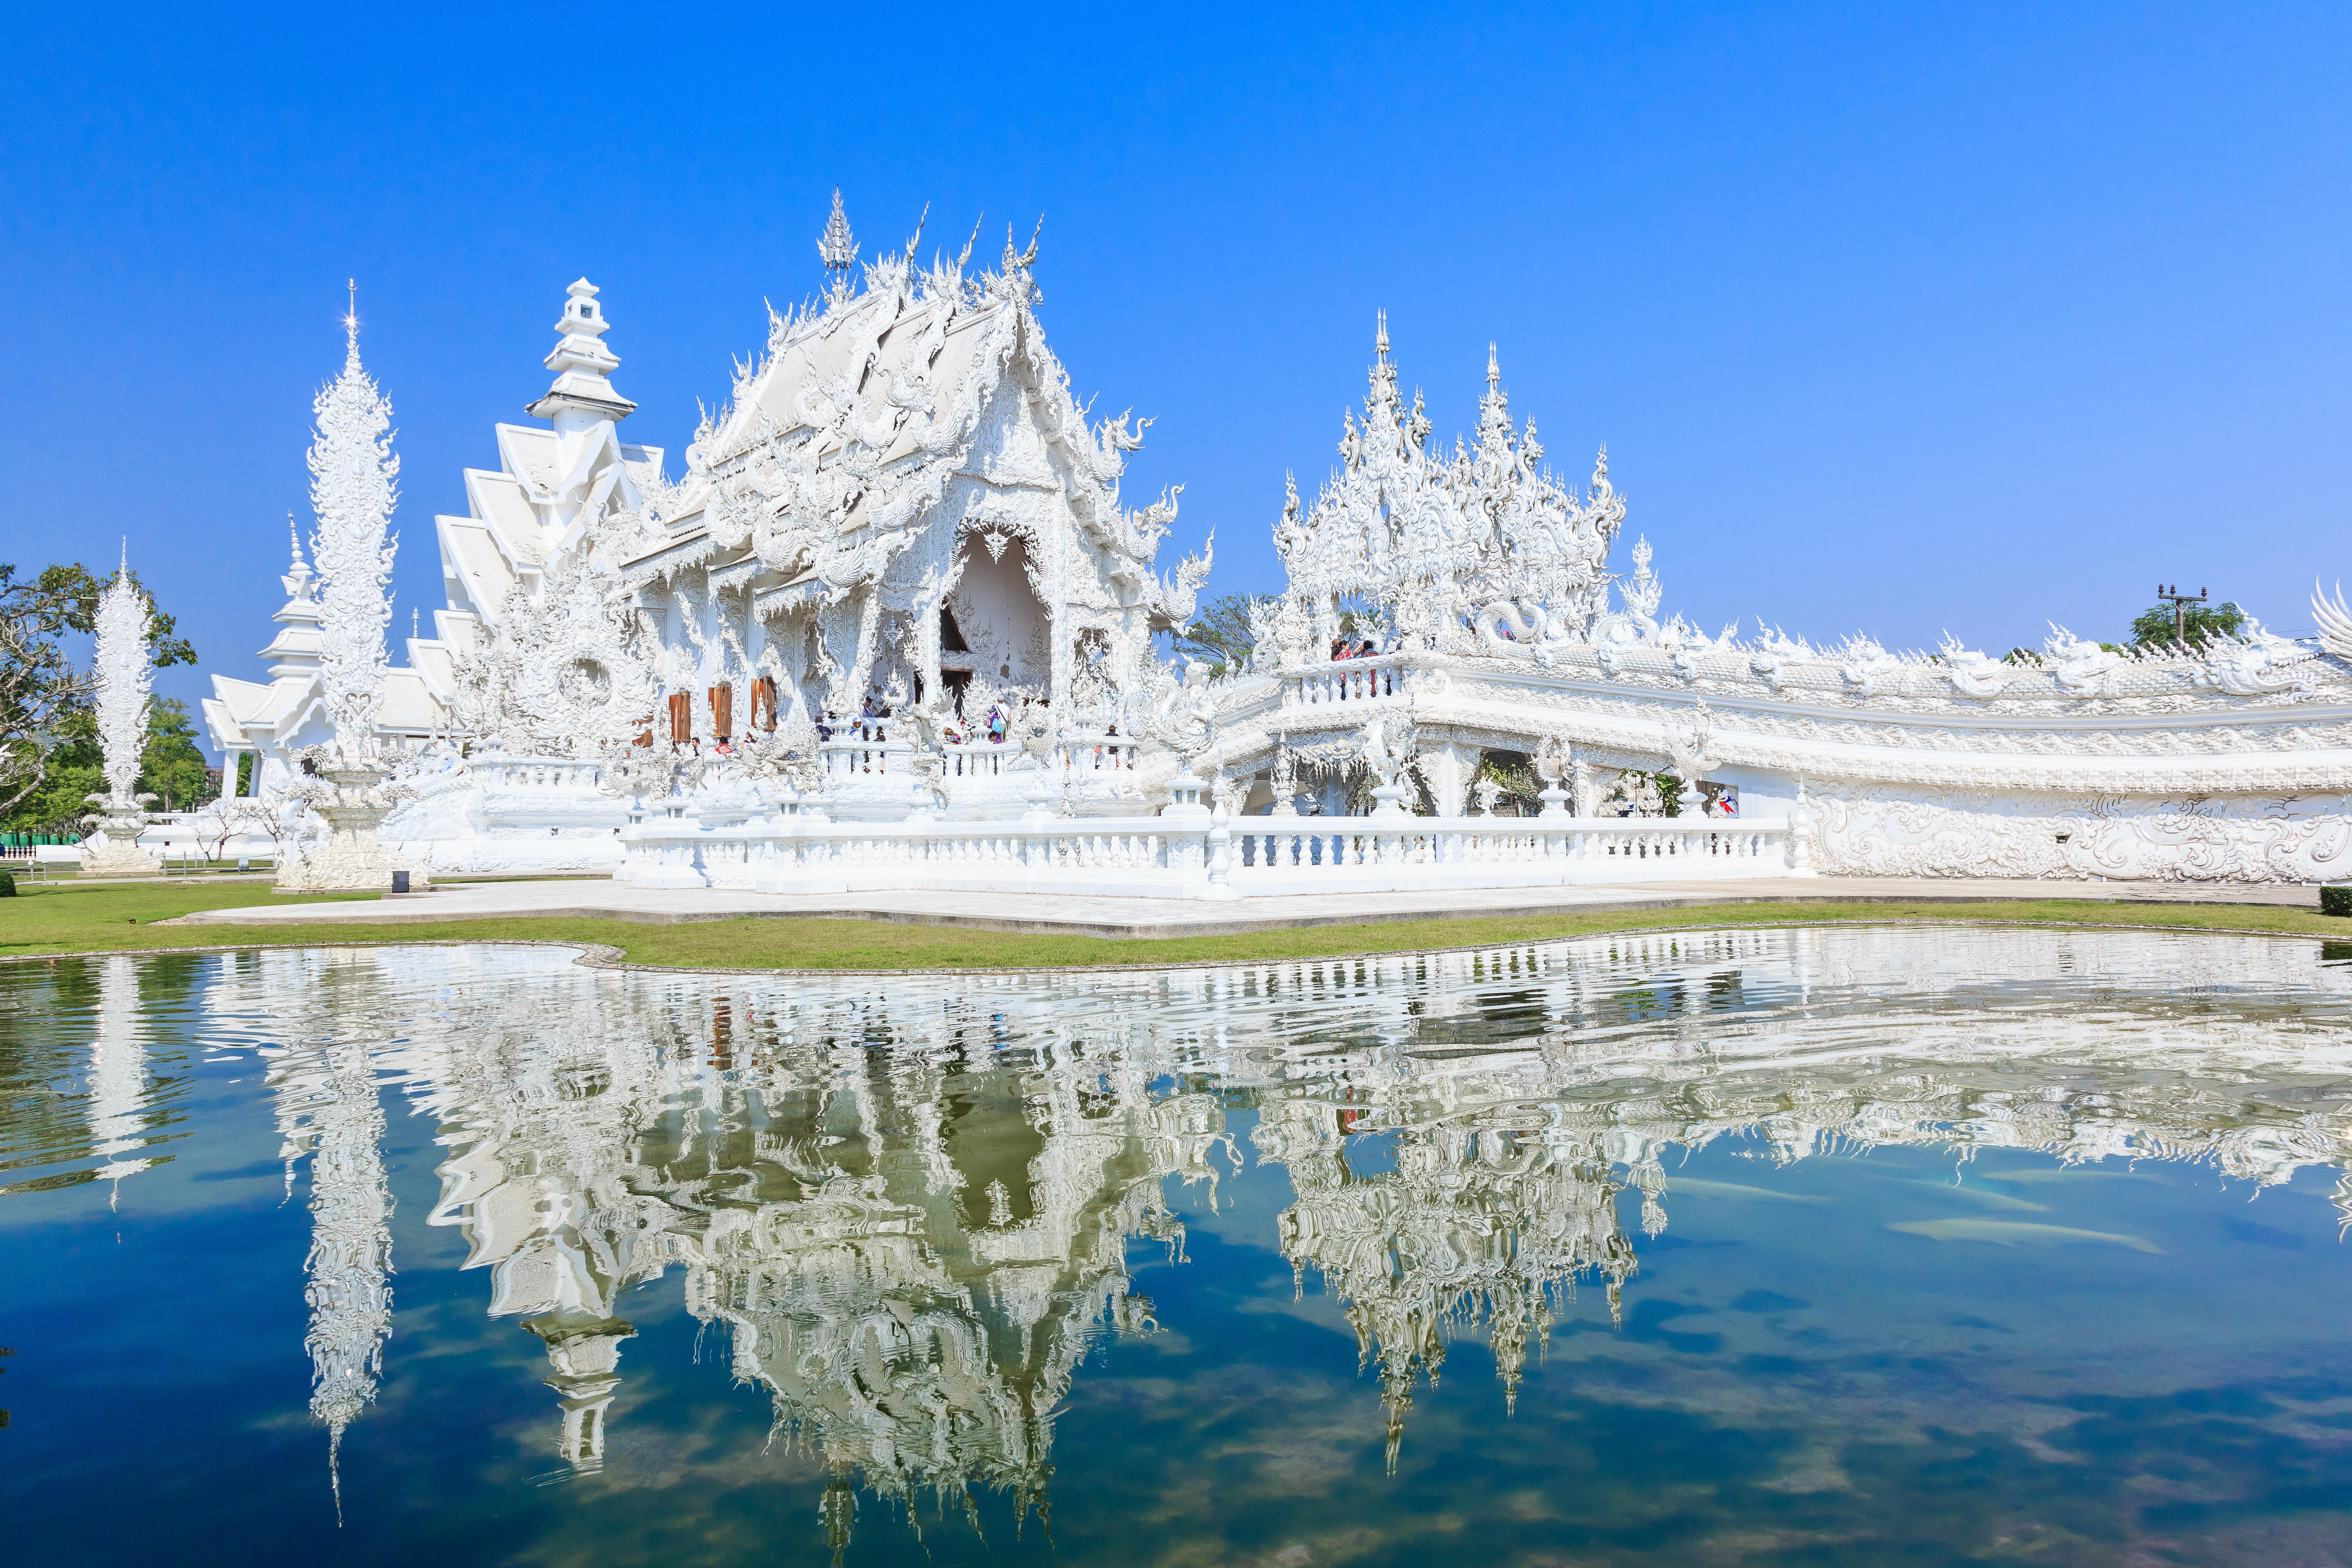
351	473
327	1105
124	677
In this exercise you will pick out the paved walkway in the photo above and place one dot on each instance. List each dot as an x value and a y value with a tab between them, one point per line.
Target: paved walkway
1131	918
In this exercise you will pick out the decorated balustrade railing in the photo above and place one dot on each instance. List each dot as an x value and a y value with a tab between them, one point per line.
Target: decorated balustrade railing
498	770
1347	680
979	759
868	750
1144	856
793	850
1499	852
1088	751
1075	751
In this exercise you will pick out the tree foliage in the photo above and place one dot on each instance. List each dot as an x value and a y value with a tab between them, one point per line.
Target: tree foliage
42	692
171	766
2200	625
1220	635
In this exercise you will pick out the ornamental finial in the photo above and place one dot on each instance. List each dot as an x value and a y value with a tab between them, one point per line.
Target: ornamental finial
1381	338
1021	260
351	322
1494	370
837	248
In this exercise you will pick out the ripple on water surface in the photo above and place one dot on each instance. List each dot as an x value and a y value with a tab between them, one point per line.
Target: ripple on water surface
1915	1245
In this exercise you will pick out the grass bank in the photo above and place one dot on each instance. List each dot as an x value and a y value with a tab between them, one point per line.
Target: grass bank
91	919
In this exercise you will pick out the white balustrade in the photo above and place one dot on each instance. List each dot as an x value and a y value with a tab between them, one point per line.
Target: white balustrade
497	770
978	758
793	851
862	748
1086	752
1347	680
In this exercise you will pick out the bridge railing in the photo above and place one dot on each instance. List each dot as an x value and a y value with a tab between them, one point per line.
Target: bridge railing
1191	854
1347	680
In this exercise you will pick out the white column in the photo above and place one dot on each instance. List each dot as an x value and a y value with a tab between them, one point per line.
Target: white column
1448	768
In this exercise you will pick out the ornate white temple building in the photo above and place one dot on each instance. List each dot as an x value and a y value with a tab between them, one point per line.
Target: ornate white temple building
893	626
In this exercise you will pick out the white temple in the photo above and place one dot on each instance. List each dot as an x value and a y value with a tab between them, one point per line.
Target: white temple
896	606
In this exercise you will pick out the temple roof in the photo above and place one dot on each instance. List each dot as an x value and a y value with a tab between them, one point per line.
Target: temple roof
862	409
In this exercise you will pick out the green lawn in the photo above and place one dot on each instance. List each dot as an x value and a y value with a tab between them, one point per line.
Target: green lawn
101	918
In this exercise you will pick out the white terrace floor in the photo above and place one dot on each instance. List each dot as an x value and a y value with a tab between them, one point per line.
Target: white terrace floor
1109	917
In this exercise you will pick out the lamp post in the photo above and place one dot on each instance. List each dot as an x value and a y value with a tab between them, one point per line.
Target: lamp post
2179	603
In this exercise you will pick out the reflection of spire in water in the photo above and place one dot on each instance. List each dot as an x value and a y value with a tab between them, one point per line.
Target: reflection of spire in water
1480	1224
546	1182
351	1248
586	1353
118	1072
324	1010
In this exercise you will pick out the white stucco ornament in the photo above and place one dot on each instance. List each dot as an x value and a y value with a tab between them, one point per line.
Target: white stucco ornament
346	782
124	677
351	472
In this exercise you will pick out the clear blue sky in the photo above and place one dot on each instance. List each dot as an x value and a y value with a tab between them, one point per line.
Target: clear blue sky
1895	319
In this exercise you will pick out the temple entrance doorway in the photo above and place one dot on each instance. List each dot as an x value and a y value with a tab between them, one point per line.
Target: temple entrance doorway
999	617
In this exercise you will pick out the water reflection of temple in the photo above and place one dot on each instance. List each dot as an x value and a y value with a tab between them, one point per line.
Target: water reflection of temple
1482	1222
911	1208
913	1225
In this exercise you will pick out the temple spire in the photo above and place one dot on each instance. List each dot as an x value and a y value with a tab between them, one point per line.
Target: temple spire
353	471
1381	338
581	395
837	248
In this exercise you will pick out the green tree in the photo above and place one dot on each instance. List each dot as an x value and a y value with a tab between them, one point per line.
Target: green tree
1515	773
1220	635
2198	625
71	772
172	765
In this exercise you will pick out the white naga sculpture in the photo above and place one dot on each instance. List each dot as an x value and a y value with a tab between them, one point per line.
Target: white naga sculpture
124	677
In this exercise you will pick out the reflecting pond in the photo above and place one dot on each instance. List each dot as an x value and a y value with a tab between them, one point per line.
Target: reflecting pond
1811	1246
